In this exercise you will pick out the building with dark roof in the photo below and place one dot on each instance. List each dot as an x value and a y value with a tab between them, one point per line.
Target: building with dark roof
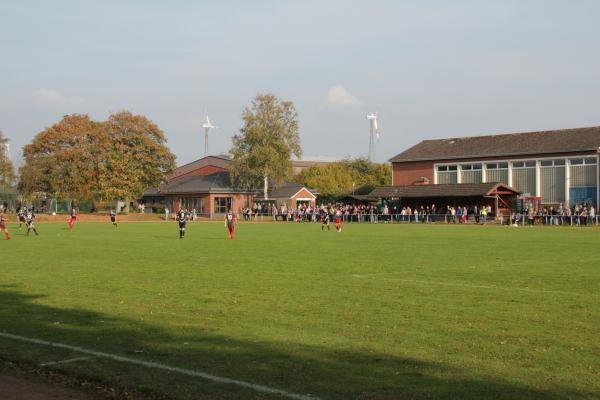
291	194
560	166
204	185
209	193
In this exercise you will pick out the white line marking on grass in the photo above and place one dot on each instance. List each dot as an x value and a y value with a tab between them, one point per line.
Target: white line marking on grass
65	361
151	364
382	276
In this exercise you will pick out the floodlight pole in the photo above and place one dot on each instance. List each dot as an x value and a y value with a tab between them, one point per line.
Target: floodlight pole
372	144
206	141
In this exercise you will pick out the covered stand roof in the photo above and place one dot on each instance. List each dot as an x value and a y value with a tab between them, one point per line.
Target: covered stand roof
352	198
449	190
557	141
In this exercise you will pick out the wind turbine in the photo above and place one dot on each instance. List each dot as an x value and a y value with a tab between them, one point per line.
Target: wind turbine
372	118
207	127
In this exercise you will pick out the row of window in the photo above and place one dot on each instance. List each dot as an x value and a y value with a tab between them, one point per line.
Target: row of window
523	164
221	204
517	164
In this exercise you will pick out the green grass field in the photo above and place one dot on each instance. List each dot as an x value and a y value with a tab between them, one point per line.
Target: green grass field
375	312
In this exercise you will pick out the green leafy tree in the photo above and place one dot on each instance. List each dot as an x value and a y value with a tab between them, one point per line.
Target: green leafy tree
7	170
268	139
343	177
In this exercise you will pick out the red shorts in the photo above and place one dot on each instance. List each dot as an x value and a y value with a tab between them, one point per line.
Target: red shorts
338	220
3	226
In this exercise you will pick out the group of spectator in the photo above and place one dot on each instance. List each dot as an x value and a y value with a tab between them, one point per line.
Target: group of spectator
303	213
385	213
579	214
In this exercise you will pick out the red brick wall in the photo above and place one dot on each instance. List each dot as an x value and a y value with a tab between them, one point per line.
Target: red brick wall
238	202
407	173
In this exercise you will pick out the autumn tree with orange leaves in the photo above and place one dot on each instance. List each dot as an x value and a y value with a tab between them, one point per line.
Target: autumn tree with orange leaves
82	159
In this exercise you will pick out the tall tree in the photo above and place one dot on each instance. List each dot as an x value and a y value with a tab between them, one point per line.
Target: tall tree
138	157
63	159
268	139
87	160
7	171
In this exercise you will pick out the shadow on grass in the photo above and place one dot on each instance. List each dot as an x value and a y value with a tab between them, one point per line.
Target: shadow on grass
322	372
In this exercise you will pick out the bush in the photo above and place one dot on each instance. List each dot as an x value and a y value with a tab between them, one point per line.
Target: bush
158	209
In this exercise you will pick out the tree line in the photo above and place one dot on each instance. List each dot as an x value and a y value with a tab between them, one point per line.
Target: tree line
349	176
121	157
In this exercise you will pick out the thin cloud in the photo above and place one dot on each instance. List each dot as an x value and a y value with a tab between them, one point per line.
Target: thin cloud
52	98
339	98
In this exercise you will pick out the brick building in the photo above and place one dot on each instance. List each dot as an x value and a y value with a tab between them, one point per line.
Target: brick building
560	166
204	185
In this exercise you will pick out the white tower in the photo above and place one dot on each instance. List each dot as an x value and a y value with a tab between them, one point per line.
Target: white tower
372	117
207	127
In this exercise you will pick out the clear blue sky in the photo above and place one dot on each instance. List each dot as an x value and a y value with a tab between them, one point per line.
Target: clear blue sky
430	68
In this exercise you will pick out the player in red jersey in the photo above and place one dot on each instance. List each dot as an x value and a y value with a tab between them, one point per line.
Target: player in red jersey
230	223
338	220
3	225
72	218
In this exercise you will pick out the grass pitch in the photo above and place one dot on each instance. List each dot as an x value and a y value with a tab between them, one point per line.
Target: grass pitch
375	312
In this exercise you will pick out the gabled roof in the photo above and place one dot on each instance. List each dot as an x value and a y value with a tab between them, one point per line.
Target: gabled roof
214	183
221	161
450	190
286	191
527	143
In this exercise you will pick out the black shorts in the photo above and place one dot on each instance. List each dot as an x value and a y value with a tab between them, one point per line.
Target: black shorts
182	224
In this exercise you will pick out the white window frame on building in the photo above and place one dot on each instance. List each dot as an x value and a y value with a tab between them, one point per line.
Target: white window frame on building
538	163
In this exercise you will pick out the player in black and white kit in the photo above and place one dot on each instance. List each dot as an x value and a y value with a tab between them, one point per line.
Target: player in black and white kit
21	214
325	219
113	218
182	220
29	221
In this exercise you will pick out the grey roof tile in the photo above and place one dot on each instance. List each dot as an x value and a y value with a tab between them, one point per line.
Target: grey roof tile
527	143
